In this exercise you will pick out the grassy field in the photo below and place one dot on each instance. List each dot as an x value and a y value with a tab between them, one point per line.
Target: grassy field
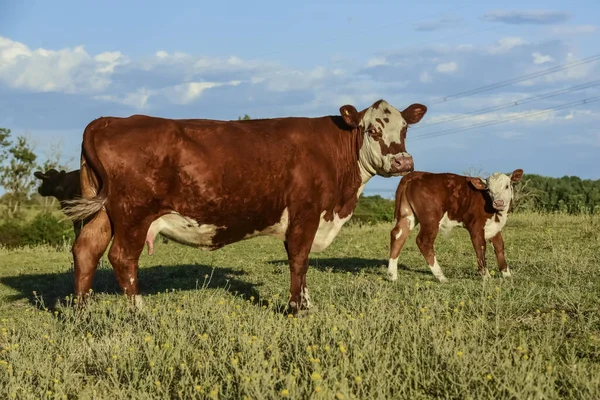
212	325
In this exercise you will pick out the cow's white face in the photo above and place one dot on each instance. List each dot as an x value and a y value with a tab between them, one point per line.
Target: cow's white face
499	187
384	128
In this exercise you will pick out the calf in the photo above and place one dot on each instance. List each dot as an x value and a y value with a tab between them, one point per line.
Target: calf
444	201
65	186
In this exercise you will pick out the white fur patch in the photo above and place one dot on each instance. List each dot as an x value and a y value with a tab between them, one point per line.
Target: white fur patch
184	230
437	271
399	234
305	298
492	227
507	273
446	224
138	302
392	269
327	231
277	230
411	222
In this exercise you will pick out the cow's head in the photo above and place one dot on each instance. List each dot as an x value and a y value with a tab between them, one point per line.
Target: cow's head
53	182
499	187
383	150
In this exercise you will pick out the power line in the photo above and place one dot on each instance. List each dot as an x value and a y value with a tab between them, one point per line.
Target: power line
511	104
526	115
522	78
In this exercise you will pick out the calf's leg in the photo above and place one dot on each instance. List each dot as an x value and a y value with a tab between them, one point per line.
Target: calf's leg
478	240
425	241
498	243
398	237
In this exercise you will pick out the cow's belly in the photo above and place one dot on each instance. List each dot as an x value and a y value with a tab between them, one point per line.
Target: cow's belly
327	231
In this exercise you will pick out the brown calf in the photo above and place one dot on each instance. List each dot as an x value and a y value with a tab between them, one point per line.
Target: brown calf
444	201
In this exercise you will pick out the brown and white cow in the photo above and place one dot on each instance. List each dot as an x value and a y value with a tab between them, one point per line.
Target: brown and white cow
441	202
208	183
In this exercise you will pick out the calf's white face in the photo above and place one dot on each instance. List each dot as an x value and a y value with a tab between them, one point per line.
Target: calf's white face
383	150
499	187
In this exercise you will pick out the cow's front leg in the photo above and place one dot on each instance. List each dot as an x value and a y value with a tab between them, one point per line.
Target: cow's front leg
498	243
478	240
298	243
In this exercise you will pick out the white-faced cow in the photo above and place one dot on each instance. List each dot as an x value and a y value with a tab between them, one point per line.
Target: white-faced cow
441	202
208	183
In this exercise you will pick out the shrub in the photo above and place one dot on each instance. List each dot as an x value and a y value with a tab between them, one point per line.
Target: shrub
11	233
46	228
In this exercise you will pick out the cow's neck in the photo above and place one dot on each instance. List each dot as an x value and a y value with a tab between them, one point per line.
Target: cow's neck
365	160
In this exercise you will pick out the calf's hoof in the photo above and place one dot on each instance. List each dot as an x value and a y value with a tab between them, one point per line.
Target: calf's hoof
507	273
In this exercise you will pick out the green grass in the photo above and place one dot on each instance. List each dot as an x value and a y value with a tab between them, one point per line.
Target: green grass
212	327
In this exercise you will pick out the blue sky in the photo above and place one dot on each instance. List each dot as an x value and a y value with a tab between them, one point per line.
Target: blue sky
64	63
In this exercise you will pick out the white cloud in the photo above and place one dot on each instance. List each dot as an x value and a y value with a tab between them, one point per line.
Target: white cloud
424	77
570	30
69	70
539	58
505	44
447	68
524	17
375	61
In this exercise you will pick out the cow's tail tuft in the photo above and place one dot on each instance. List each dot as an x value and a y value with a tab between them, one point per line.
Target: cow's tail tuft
81	208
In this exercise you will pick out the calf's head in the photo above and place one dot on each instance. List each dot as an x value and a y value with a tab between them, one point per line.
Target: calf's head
383	128
52	182
499	187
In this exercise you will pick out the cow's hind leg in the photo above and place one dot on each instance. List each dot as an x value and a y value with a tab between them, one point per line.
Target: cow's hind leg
398	237
425	241
90	244
124	254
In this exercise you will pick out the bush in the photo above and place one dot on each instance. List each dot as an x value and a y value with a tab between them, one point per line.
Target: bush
44	228
11	233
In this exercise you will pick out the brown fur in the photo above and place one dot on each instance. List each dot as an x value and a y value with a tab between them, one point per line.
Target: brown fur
428	196
237	175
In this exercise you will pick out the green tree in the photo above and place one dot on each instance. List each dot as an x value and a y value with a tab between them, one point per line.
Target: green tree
4	143
244	118
17	176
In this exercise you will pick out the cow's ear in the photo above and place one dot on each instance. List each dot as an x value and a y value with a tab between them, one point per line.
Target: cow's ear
39	175
516	175
477	183
414	113
350	115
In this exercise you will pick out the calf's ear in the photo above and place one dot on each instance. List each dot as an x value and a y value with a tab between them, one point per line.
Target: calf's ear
39	175
350	115
516	175
477	183
414	113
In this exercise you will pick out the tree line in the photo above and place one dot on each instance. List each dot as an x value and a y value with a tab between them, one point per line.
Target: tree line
18	162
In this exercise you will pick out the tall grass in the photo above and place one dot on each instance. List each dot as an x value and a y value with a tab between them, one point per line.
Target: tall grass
212	325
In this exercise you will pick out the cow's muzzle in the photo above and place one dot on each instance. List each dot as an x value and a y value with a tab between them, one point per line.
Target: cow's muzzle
402	164
498	204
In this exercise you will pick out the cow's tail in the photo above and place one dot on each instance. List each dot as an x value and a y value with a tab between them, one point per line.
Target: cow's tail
92	176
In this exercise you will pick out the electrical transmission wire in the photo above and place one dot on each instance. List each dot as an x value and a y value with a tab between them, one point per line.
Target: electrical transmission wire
589	100
518	79
512	104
